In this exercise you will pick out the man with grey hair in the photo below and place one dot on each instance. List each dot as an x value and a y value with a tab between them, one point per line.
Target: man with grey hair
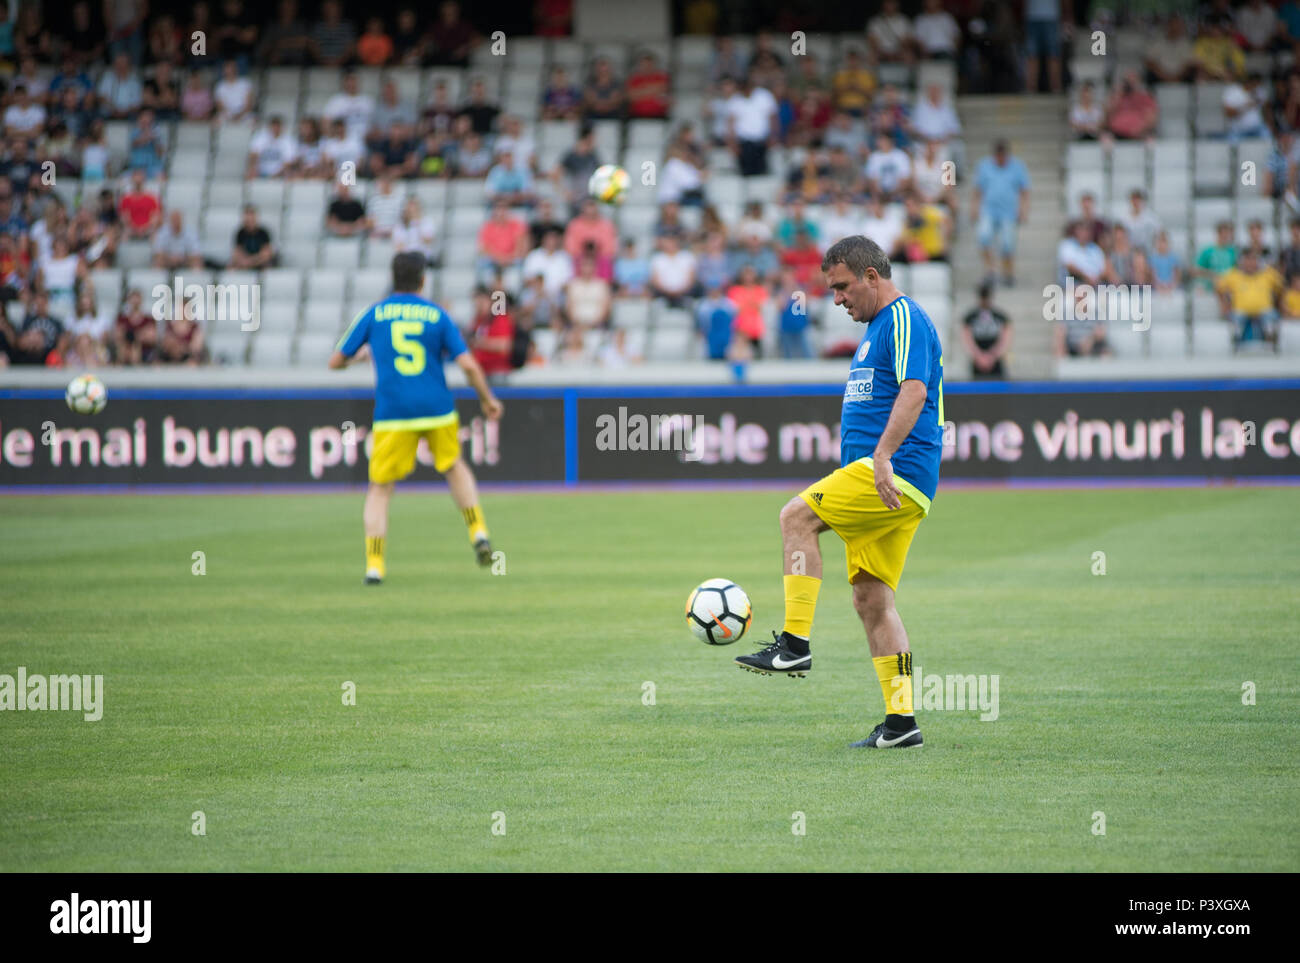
891	429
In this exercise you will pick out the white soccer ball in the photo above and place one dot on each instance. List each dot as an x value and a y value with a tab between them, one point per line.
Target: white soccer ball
608	184
86	395
718	612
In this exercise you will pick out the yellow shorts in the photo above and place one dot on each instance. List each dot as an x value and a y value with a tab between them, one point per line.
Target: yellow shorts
876	538
393	455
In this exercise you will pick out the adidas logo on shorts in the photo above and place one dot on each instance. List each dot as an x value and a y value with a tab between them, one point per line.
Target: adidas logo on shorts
817	497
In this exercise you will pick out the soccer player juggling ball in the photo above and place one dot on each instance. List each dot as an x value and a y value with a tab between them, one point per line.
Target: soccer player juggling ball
891	442
408	339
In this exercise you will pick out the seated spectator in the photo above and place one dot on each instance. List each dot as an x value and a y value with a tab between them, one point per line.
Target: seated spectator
472	157
841	174
1249	293
416	232
853	86
614	352
1132	112
804	258
537	307
812	118
90	330
252	249
140	209
1258	25
1119	261
713	265
986	332
272	151
935	119
1086	116
670	222
631	272
509	181
1280	180
1289	259
764	61
890	34
352	107
552	262
478	107
576	166
672	273
395	152
1142	223
182	339
309	160
1080	336
561	99
94	153
346	216
1218	257
842	220
162	93
1166	265
383	207
927	230
543	220
647	89
440	113
135	336
492	335
375	48
24	117
1078	256
754	224
1243	109
1217	55
717	110
588	299
1142	272
884	225
757	253
339	147
120	92
792	338
1290	303
1173	59
71	110
681	179
515	138
390	110
795	221
176	246
937	32
891	116
286	41
145	145
603	96
809	181
451	39
41	339
435	157
1094	226
715	317
749	296
591	226
502	241
197	102
333	39
233	96
889	169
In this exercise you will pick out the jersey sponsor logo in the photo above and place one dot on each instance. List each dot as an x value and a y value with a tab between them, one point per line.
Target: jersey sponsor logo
858	387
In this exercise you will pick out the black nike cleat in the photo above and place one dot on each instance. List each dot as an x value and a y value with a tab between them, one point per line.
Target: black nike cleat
483	552
777	659
882	737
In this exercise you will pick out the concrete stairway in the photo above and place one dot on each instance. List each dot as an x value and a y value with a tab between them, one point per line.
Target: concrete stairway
1037	130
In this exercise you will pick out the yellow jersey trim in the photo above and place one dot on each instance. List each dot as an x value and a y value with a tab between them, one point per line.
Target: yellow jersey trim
905	486
415	424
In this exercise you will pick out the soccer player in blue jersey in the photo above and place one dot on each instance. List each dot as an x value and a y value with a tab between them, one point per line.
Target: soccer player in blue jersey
891	441
408	338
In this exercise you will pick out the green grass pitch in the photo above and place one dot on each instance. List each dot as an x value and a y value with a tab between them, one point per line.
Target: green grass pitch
522	693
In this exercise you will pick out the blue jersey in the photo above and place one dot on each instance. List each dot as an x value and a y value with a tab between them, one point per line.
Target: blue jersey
900	344
409	339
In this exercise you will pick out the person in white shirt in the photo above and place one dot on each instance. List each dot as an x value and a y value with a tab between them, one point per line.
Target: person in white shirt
679	177
934	118
717	111
889	169
937	32
552	262
934	178
843	220
884	225
1080	257
1257	22
89	320
233	95
1243	105
339	148
890	34
352	107
672	272
1142	223
415	232
1086	116
271	151
752	119
384	208
24	117
517	141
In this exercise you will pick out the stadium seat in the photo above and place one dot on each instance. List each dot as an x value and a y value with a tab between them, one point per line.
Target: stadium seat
271	350
630	313
282	284
1288	337
229	348
314	350
1211	339
134	254
673	344
1211	168
371	284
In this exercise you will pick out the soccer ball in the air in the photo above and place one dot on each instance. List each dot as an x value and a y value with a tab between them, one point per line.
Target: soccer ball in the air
86	395
718	612
608	184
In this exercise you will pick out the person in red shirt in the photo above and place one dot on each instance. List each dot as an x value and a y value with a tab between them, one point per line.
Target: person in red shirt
502	241
749	296
141	210
589	227
647	89
553	18
1132	113
493	335
135	337
803	258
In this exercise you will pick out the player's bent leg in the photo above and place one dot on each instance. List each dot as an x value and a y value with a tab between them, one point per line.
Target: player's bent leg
464	492
873	599
375	519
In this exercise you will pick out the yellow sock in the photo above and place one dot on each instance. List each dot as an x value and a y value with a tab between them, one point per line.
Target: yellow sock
375	553
474	522
800	603
895	674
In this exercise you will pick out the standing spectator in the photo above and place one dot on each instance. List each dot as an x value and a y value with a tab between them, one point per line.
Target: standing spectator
999	205
452	39
792	338
120	92
135	336
591	227
752	124
1043	20
502	241
140	208
1249	293
672	273
177	246
647	89
333	38
937	33
272	151
986	332
853	86
252	249
603	97
890	34
233	95
749	296
346	216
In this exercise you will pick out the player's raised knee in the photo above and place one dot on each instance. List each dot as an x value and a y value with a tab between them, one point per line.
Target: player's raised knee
797	517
